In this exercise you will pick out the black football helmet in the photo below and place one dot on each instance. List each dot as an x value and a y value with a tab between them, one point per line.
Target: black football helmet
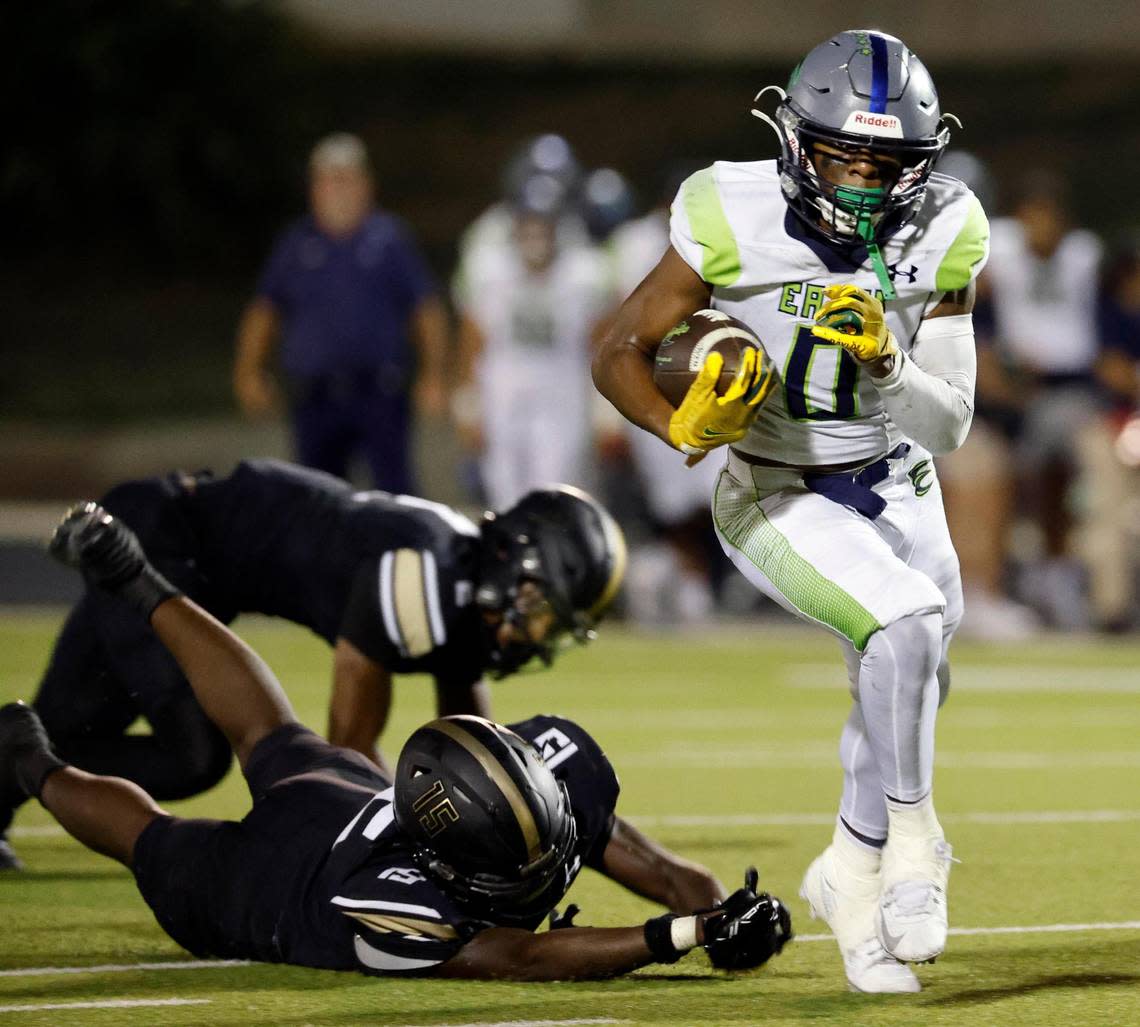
487	819
566	543
861	88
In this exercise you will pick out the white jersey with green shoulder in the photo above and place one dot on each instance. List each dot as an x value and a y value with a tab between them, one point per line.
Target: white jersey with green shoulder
731	225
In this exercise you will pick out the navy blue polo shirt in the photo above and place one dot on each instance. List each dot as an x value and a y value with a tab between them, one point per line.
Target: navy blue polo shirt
345	304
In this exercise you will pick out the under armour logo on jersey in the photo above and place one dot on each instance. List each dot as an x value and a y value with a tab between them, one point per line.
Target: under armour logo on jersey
911	274
555	747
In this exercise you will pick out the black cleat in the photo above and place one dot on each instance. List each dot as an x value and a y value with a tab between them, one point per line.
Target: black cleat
25	754
8	858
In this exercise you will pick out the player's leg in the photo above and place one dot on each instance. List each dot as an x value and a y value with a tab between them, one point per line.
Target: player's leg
827	564
105	814
321	436
106	669
916	858
559	435
505	440
184	755
386	440
232	684
77	697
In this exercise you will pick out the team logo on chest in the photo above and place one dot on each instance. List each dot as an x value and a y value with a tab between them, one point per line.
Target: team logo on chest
921	477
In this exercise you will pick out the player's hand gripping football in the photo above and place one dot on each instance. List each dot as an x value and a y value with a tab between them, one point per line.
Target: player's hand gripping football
854	319
747	928
705	420
110	556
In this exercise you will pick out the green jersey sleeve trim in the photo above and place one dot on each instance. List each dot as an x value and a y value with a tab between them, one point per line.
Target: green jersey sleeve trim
720	258
966	253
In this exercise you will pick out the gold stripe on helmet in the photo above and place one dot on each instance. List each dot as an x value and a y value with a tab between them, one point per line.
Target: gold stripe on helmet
615	544
502	779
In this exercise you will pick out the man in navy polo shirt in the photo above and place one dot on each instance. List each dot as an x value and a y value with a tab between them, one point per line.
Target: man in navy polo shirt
358	315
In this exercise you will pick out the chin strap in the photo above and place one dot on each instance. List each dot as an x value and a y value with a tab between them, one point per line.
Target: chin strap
866	232
881	272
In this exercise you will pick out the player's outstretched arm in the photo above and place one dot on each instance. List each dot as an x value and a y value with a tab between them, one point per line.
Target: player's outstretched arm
569	954
231	682
643	866
740	933
623	363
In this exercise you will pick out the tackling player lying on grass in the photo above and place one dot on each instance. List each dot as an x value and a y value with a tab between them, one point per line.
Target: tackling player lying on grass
395	584
447	870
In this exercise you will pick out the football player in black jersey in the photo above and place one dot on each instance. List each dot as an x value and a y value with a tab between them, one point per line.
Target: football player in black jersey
446	869
395	584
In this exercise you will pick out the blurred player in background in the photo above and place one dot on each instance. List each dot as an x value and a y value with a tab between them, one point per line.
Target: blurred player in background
671	581
855	266
359	318
528	308
1110	449
1044	282
446	868
395	584
979	486
548	154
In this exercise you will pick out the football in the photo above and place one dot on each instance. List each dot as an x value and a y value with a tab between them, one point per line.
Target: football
682	352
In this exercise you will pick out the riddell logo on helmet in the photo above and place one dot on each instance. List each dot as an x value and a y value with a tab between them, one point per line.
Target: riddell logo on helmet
865	123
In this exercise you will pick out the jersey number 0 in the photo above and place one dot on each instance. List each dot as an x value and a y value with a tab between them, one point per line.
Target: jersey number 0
815	394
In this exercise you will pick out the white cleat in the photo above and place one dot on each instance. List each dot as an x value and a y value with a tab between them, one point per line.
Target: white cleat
912	921
847	897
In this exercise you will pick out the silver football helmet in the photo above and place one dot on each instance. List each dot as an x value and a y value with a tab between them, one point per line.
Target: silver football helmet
859	89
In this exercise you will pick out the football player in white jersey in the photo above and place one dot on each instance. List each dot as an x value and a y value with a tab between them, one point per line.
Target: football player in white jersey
528	308
855	264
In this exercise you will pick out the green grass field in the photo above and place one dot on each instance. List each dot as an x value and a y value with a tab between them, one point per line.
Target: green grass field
725	745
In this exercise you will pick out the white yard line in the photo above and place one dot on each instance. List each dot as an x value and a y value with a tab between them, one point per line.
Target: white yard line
110	1003
204	964
992	677
532	1023
1124	925
997	818
812	757
122	968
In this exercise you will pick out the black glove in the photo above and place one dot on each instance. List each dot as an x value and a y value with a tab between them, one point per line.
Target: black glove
110	556
560	920
746	929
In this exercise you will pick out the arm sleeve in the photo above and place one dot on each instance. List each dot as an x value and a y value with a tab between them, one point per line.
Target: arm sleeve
930	393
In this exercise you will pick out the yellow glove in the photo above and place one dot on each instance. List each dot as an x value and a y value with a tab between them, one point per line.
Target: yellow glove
854	319
705	420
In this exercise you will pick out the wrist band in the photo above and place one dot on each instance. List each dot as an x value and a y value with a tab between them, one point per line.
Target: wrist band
669	937
683	933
